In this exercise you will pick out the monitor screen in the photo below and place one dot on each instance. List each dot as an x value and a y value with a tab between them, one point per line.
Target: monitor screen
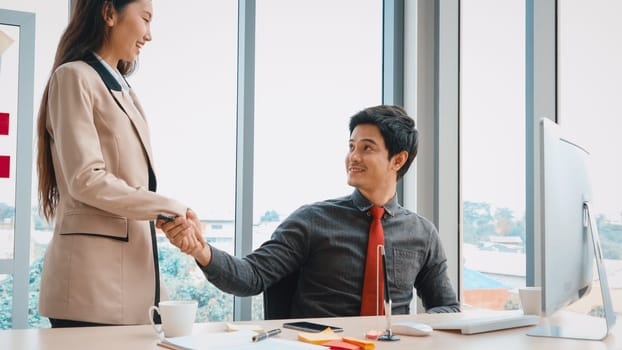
568	237
566	244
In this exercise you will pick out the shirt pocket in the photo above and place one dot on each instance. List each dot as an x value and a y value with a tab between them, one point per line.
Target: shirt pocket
406	266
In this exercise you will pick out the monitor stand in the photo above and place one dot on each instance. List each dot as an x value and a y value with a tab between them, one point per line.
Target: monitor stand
586	327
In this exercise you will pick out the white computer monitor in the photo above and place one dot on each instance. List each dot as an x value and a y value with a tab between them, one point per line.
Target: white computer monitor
568	236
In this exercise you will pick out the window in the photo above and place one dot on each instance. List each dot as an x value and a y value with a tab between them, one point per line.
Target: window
588	88
51	18
492	112
186	82
310	79
9	62
317	63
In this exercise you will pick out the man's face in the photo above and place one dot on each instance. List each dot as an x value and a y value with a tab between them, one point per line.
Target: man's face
367	163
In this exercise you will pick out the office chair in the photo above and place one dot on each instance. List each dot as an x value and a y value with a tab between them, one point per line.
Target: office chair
278	298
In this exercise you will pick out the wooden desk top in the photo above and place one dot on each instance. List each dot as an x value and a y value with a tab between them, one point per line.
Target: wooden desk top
143	337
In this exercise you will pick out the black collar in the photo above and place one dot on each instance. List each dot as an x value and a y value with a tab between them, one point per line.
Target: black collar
110	81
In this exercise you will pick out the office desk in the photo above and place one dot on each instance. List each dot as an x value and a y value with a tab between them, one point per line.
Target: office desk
143	337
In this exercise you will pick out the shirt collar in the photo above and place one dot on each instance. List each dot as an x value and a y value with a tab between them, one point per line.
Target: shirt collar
114	72
363	204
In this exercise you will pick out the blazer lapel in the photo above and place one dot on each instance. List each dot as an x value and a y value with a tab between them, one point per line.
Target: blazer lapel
129	104
124	101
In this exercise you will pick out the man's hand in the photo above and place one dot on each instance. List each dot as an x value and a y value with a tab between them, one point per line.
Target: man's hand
202	253
185	234
181	234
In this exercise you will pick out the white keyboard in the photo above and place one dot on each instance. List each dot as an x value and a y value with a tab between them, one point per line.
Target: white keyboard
482	324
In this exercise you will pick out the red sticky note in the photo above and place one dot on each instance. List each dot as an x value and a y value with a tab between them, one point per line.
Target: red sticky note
4	123
340	345
5	162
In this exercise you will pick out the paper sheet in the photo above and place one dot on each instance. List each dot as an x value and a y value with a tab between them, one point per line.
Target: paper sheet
240	340
233	327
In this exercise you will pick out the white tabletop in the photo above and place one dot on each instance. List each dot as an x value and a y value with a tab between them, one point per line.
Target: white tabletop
143	337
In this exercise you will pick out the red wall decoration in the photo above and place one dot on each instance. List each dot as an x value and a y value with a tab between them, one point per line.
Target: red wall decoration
5	161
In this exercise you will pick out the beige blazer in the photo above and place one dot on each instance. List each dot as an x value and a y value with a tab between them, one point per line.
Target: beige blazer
101	264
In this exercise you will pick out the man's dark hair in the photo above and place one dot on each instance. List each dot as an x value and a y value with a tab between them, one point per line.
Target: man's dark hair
396	127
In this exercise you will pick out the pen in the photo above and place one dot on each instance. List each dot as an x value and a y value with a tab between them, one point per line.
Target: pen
166	218
265	335
387	292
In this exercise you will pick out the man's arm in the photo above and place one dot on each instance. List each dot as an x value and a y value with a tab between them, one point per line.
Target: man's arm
433	284
246	276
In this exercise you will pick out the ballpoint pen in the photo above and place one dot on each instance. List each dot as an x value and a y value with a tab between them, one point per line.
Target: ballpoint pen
265	335
388	334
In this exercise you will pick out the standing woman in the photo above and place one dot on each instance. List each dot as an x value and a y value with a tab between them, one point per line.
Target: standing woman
96	176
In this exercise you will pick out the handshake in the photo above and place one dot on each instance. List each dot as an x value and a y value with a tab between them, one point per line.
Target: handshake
185	234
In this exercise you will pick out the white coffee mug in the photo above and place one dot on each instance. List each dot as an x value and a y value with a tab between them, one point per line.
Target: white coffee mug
530	299
177	317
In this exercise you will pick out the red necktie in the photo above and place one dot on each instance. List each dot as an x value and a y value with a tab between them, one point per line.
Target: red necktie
372	302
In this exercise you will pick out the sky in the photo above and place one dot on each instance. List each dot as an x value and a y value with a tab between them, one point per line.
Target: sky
493	92
311	77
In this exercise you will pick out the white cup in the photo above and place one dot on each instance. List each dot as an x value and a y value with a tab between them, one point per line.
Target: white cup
177	317
530	299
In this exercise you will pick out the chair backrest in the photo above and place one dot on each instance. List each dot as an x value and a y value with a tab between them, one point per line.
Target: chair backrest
278	298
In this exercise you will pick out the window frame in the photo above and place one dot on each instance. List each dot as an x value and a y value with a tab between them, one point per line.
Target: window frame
19	266
437	194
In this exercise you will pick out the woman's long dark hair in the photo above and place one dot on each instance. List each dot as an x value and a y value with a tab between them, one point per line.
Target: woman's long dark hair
85	33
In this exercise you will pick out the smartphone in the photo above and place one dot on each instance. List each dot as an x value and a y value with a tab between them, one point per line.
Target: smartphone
166	218
310	327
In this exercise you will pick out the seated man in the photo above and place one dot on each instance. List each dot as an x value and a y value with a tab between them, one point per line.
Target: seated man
327	242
